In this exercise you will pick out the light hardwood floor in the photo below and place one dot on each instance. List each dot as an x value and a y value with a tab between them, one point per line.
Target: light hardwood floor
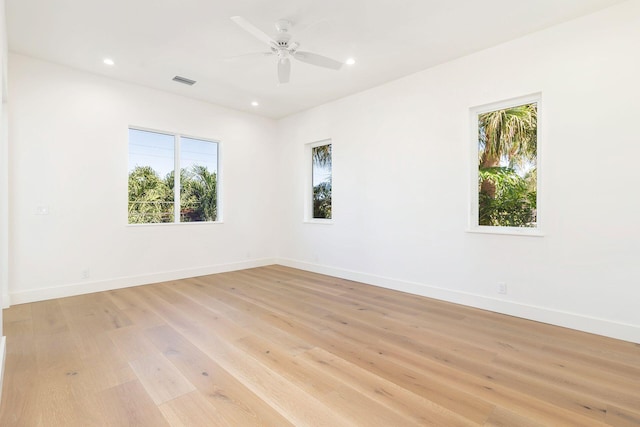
275	346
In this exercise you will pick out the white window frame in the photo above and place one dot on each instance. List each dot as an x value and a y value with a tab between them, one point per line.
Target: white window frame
176	177
474	226
308	183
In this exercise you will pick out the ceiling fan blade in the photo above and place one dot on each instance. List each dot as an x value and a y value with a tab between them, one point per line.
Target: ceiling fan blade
319	60
284	70
253	30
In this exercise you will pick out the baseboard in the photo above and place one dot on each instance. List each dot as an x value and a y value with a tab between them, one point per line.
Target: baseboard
570	320
622	331
3	354
125	282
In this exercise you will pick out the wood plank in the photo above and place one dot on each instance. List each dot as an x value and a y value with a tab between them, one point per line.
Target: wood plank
48	318
277	346
95	311
132	343
502	417
301	408
472	408
336	394
129	404
21	379
160	378
622	418
192	410
384	392
57	352
18	321
237	404
130	304
239	319
62	400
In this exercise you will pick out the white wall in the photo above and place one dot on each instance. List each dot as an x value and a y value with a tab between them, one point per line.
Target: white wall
401	180
4	184
69	150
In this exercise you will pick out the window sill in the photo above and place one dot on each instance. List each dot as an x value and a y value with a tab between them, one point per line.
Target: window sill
164	224
508	231
318	221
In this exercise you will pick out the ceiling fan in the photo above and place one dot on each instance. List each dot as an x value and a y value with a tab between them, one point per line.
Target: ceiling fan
284	48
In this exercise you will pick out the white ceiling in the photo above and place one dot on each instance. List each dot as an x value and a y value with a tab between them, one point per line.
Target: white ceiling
151	41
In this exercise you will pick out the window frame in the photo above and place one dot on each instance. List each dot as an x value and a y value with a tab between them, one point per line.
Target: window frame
176	176
473	220
308	193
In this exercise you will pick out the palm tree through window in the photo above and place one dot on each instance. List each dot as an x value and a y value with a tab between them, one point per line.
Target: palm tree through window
507	166
321	181
155	195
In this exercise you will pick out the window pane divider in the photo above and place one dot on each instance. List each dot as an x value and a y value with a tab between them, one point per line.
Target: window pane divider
176	180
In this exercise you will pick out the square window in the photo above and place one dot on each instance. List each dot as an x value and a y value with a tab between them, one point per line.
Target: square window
155	194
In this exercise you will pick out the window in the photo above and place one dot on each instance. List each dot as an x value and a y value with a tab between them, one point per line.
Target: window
505	159
321	180
156	195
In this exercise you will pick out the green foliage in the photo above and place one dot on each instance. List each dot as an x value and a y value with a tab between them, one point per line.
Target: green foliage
198	195
511	133
151	199
322	159
322	200
508	137
515	200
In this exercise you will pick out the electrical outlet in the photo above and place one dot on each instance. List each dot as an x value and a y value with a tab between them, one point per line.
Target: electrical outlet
502	288
86	273
42	210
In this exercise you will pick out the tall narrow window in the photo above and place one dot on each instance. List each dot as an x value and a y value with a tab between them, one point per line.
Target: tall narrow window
155	194
198	180
321	180
507	165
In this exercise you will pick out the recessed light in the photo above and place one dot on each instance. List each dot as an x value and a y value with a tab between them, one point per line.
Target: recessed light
108	61
350	61
255	103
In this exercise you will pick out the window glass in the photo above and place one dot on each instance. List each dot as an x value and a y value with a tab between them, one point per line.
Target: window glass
508	166
151	163
321	181
198	180
155	195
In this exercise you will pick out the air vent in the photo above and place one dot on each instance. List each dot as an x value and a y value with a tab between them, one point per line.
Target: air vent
184	80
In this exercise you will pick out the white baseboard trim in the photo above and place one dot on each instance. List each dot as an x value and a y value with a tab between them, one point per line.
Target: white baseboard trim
605	327
125	282
3	357
622	331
